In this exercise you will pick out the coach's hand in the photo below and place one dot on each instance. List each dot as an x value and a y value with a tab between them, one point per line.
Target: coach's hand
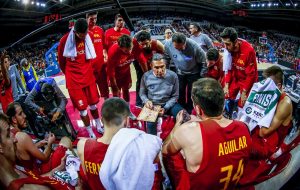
161	112
149	104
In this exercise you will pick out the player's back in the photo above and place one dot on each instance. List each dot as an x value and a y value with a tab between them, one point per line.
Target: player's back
224	153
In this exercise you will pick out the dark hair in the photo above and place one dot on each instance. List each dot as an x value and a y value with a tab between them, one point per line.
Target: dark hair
90	14
208	94
212	54
229	33
118	16
179	38
197	26
125	41
274	71
4	57
81	25
145	27
11	110
114	111
142	36
157	57
4	118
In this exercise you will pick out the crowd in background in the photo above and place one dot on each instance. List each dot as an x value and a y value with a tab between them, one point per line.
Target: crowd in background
285	48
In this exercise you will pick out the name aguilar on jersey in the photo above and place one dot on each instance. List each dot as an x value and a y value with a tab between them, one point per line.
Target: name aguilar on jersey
233	145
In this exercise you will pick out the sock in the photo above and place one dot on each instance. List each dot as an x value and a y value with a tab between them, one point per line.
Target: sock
91	133
99	126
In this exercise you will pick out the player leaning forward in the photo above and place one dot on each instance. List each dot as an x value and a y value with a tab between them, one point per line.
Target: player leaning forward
75	54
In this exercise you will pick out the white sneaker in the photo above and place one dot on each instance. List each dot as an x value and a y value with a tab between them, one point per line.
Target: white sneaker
99	127
91	133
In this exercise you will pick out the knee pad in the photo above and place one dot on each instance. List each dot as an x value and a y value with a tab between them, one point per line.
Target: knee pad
83	113
93	107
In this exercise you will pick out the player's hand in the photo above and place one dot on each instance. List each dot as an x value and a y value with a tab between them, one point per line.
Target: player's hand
226	90
41	143
55	116
243	97
41	111
161	112
51	139
130	85
149	104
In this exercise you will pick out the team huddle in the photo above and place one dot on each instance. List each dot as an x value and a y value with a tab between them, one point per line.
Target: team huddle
187	77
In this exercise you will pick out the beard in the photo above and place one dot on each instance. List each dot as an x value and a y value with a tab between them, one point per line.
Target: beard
147	50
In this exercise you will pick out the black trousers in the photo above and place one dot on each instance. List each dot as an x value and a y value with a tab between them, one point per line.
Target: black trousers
139	74
185	90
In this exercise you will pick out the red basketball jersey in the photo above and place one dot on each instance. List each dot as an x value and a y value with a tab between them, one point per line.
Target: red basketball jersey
94	153
225	151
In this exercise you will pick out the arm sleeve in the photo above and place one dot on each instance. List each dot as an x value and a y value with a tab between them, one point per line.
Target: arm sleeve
19	81
209	42
175	94
167	55
201	60
60	51
62	99
143	90
251	72
29	101
142	61
112	59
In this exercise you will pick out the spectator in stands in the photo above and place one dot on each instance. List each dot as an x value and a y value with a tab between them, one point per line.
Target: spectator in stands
45	92
160	86
190	62
198	36
215	65
99	64
205	143
95	153
147	47
6	96
28	152
112	34
244	67
167	36
28	74
15	79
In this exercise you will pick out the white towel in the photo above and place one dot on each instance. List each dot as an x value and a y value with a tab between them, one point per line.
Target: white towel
70	47
227	60
128	162
261	104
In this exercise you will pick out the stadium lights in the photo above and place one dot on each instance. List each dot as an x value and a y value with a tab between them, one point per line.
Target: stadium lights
269	4
37	4
296	4
25	2
32	2
287	4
